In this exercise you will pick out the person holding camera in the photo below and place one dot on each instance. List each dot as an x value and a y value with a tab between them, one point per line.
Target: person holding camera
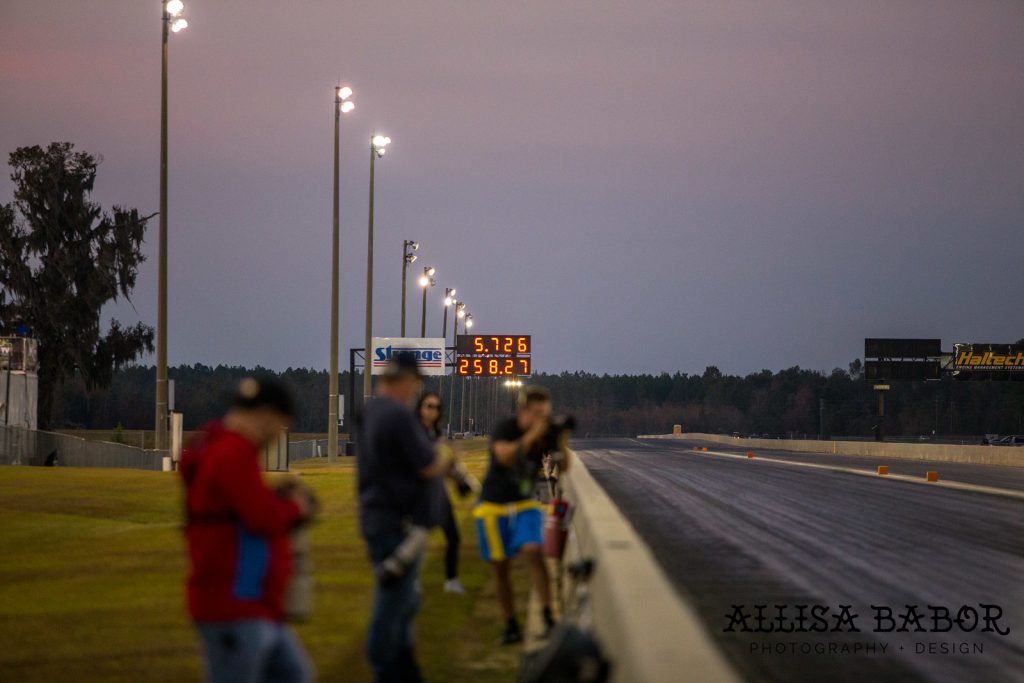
400	494
509	518
238	535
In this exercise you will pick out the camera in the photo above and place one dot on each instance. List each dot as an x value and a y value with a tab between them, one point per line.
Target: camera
290	486
557	426
465	483
298	597
395	566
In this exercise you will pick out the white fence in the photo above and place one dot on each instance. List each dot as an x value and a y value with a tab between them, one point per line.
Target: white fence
304	450
19	446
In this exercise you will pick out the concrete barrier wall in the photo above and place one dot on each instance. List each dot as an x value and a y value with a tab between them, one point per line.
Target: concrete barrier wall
646	629
982	455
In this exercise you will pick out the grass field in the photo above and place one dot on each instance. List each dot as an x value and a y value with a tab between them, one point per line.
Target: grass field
91	583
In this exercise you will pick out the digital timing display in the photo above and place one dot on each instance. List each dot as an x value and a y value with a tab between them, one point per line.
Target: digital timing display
482	355
493	345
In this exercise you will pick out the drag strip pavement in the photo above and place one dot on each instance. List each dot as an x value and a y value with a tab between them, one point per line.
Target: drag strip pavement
736	532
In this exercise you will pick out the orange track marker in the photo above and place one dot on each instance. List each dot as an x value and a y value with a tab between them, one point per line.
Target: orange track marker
750	454
705	449
883	469
931	476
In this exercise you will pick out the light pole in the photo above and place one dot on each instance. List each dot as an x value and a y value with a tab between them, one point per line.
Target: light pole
449	299
467	323
460	312
472	403
426	281
514	384
378	146
342	105
172	21
408	246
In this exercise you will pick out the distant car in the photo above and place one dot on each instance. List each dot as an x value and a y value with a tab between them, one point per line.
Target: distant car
1015	440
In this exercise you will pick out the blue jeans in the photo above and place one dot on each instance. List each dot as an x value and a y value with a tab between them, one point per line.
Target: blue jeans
389	645
253	651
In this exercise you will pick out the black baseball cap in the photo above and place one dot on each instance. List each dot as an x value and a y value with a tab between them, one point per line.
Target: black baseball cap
402	363
264	392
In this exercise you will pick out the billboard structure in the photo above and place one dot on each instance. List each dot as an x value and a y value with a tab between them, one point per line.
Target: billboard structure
902	359
907	360
987	362
429	353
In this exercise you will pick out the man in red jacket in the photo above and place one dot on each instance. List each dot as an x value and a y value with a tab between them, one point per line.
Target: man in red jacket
238	542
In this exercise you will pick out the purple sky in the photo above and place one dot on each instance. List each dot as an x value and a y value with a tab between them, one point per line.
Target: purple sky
642	186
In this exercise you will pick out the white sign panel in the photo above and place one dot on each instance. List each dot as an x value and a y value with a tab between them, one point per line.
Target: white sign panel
429	353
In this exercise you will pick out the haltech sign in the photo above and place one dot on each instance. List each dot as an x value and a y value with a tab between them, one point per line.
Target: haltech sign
1002	358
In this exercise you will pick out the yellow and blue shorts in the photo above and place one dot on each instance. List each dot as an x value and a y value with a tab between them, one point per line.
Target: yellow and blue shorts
504	528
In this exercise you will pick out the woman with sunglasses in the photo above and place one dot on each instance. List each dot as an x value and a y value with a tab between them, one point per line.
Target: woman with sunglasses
430	410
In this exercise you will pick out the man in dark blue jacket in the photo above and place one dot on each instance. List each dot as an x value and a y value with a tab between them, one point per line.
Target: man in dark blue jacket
399	499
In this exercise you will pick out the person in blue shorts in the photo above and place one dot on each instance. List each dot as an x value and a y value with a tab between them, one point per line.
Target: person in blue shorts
509	518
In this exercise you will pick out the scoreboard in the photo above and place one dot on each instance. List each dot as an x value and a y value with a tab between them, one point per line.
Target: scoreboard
501	355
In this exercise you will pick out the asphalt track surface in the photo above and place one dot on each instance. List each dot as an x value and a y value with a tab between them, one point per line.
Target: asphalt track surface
733	531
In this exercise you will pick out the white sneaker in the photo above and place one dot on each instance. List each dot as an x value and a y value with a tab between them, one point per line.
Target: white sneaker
454	586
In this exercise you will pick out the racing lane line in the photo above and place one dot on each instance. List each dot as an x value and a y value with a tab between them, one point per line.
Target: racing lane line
960	486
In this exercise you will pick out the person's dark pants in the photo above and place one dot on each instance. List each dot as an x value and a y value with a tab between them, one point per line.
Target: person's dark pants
451	535
389	645
253	651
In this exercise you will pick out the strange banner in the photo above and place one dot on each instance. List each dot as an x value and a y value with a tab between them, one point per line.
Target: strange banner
428	351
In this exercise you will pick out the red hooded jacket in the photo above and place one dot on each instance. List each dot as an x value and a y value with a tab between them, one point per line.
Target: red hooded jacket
237	530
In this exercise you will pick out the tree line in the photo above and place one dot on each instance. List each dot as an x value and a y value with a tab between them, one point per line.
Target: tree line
788	402
63	257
